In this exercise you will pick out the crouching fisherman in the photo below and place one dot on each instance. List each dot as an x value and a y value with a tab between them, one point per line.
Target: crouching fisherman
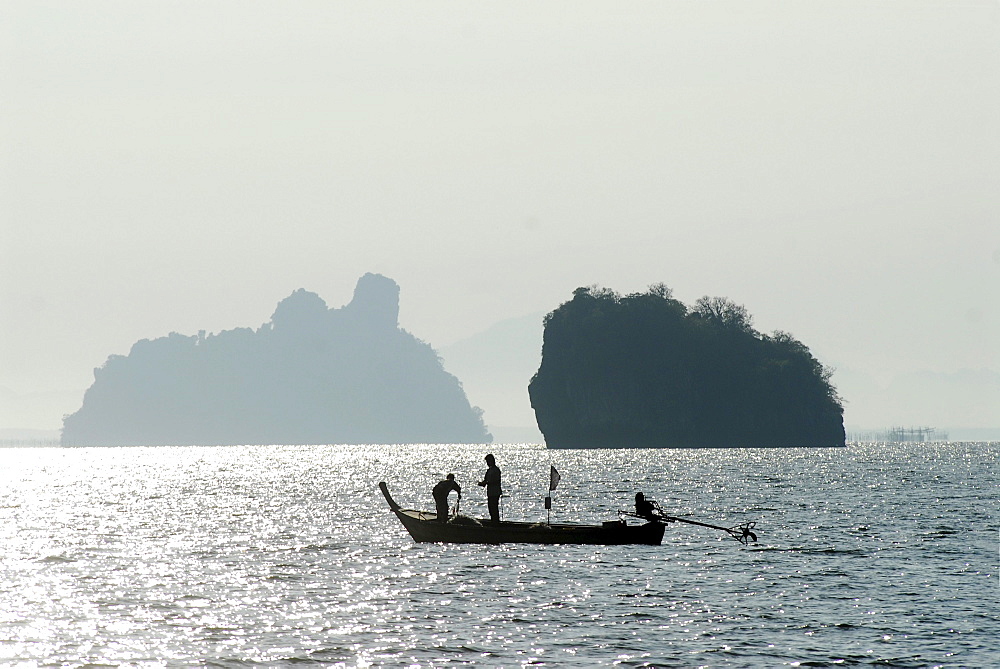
440	492
647	508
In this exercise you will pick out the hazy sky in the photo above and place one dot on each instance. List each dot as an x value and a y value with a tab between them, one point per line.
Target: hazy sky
182	166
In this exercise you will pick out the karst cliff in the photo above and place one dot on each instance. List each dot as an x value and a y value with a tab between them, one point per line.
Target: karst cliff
311	375
644	370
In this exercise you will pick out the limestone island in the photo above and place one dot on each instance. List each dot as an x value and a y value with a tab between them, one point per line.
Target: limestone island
312	375
644	371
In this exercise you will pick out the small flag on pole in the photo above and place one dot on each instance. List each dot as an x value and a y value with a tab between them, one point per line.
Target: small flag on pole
554	479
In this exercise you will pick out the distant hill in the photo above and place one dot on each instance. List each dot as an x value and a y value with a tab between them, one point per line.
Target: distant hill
495	366
12	437
643	370
954	402
312	375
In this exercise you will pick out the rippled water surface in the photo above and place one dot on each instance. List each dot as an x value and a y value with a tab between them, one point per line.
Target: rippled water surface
232	556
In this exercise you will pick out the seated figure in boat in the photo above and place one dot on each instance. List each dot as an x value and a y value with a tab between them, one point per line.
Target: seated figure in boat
646	508
441	491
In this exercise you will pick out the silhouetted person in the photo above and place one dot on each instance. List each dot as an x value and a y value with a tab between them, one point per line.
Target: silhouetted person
492	483
645	508
440	492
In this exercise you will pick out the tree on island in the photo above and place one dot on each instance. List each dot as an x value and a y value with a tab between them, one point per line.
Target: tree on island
644	370
311	375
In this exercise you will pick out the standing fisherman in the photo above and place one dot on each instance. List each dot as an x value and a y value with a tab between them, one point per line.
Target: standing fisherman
440	493
492	483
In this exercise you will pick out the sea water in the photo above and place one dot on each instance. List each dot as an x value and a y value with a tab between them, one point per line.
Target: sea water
882	554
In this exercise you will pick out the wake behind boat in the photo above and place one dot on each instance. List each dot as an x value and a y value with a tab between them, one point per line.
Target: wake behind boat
424	526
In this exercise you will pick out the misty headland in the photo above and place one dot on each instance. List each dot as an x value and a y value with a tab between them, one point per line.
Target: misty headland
311	375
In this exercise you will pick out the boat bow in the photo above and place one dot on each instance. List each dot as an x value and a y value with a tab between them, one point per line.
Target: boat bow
388	498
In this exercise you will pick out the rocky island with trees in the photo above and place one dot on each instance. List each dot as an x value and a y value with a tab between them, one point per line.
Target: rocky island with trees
644	370
312	375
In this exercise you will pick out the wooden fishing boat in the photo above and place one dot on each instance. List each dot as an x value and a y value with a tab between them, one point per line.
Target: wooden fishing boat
424	526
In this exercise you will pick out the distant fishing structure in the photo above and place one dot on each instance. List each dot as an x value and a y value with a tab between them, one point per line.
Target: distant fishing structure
901	434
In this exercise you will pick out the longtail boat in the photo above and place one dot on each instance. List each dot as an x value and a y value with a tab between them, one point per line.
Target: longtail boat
424	526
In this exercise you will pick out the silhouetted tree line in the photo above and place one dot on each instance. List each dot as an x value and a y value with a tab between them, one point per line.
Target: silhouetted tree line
312	375
644	370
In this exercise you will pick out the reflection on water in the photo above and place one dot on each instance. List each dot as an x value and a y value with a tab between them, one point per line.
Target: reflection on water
236	555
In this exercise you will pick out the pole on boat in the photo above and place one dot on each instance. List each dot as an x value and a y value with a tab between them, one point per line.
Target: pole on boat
554	479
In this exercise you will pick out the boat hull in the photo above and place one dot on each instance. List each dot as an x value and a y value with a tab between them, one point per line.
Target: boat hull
424	527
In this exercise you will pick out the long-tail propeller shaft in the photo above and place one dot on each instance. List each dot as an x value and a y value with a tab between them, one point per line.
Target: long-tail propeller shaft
743	532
